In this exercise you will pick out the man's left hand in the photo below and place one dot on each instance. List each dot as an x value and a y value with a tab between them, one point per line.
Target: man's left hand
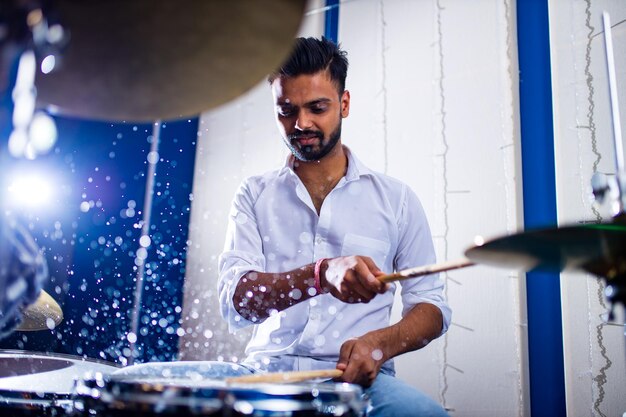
360	359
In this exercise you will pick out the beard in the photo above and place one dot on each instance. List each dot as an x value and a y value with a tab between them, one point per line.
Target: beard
308	153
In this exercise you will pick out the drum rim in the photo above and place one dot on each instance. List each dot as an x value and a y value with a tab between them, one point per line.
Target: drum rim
36	398
71	358
133	381
30	400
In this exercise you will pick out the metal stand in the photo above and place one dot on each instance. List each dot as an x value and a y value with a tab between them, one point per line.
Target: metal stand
616	286
144	242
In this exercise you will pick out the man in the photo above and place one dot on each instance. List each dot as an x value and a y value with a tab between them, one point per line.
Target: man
305	244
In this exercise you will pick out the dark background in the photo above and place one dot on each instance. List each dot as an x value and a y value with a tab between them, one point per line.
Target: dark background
91	254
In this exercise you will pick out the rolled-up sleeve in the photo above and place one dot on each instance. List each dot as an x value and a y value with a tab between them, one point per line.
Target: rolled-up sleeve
243	252
416	248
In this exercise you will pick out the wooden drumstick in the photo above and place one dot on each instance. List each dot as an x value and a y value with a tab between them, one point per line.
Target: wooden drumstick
426	270
285	377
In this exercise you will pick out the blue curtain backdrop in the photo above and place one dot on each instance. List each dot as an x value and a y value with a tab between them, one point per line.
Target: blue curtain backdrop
90	235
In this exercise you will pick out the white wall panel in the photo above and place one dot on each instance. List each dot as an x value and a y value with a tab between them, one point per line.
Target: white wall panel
235	141
594	350
434	104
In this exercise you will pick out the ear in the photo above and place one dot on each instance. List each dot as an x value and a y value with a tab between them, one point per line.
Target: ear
345	104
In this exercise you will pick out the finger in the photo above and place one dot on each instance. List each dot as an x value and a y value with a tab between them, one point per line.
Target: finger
344	354
386	285
352	372
371	265
355	289
344	293
379	286
367	279
351	362
340	366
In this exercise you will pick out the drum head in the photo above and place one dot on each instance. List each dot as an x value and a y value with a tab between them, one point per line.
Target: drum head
41	384
42	373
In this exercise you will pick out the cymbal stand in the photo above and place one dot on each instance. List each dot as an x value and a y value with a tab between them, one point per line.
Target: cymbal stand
144	242
602	185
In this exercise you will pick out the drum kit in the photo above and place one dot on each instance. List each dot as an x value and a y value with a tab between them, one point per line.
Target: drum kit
63	385
129	60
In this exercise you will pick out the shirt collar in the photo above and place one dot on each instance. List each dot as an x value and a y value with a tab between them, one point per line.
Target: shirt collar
356	168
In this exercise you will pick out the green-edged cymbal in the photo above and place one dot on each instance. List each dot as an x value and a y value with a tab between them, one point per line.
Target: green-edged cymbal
599	249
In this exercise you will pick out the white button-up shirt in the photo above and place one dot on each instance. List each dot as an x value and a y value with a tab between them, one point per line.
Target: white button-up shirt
274	227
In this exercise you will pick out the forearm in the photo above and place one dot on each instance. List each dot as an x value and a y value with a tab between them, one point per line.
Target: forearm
258	293
415	330
348	278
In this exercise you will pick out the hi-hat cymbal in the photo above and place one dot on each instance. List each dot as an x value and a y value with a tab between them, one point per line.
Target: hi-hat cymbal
599	249
141	60
44	314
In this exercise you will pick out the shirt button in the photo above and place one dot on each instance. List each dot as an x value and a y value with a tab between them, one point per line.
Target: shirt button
318	240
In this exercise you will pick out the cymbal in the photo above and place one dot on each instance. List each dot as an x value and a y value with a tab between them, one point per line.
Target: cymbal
599	249
44	314
140	60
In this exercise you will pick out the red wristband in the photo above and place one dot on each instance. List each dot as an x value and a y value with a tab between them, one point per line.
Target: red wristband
318	266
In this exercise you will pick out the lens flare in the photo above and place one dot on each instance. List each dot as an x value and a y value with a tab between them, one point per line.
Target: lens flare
30	191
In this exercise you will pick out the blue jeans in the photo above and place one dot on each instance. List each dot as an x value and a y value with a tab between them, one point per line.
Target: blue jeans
389	396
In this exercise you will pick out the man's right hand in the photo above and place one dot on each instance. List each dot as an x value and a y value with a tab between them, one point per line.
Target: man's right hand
352	279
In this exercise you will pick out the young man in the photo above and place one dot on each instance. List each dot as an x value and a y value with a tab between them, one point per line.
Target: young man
305	244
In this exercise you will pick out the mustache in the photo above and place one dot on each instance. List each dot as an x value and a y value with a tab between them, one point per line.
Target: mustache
306	134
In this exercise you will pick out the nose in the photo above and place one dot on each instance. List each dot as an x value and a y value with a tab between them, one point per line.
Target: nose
304	121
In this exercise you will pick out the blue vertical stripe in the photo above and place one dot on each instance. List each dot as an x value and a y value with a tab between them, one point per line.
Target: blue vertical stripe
331	24
545	335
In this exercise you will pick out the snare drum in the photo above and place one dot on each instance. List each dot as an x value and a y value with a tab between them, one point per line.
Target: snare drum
41	384
152	394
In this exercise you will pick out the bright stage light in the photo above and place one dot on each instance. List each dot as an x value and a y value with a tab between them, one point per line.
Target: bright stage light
30	191
43	133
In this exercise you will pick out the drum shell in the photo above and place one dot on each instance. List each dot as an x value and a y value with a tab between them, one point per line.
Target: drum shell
25	404
122	397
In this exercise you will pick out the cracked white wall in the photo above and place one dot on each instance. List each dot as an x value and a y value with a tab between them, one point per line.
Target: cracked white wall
235	141
594	350
434	103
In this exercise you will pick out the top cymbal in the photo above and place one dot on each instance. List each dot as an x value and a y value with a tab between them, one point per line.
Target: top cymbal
44	314
599	249
141	60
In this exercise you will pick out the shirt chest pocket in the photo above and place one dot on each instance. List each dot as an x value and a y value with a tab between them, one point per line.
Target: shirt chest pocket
354	244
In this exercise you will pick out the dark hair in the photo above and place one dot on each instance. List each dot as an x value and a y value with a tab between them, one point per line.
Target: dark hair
312	55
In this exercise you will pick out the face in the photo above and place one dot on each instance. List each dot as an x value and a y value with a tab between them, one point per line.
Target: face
309	111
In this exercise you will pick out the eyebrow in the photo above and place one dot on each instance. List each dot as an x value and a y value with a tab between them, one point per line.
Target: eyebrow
318	101
307	104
